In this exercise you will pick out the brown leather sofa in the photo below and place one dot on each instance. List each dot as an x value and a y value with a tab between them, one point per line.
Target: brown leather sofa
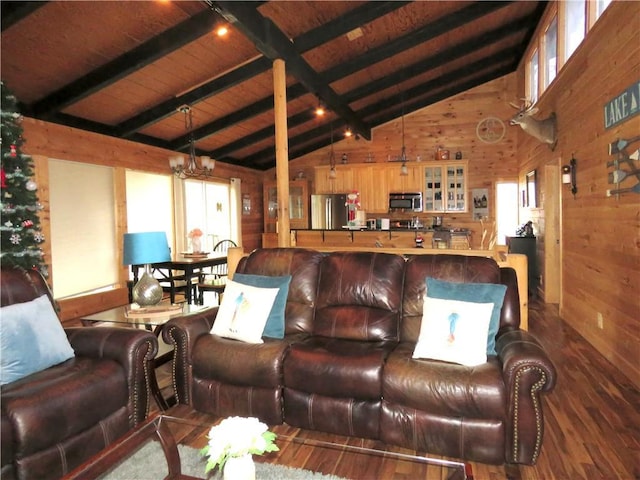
55	419
345	365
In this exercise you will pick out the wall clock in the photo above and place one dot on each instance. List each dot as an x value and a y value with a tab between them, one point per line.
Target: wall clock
490	130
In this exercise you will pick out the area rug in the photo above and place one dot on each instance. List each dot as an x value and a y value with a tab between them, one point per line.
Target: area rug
149	463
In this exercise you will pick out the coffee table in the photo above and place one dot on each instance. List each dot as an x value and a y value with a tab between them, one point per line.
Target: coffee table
347	458
119	317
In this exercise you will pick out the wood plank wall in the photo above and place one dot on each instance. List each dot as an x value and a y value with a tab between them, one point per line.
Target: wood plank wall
45	140
451	124
600	236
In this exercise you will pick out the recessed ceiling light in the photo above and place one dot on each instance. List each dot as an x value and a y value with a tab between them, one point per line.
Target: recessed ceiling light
222	31
354	34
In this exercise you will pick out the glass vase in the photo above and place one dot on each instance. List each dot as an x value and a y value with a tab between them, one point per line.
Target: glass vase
239	468
196	244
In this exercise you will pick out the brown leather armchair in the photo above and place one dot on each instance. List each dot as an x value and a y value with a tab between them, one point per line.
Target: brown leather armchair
55	419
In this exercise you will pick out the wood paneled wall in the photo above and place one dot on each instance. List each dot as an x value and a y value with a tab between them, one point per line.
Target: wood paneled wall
450	124
600	254
45	140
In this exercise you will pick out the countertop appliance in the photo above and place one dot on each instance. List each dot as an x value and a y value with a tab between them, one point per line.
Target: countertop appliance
329	211
405	202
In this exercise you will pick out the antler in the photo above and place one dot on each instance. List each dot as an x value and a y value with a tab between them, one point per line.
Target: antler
525	105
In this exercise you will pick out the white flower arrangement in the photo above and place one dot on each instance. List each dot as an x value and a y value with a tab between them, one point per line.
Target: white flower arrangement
236	437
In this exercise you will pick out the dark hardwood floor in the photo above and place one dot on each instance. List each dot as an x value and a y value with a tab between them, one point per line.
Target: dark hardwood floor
592	418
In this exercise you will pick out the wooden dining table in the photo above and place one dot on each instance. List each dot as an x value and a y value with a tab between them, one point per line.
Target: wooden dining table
190	264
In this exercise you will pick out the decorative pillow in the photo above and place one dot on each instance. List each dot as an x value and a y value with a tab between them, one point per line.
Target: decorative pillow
454	331
473	292
275	321
243	312
31	339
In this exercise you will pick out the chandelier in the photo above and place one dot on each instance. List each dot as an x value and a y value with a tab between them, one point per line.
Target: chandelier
191	168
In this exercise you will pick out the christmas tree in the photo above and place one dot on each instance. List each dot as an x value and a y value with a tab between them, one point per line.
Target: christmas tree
19	222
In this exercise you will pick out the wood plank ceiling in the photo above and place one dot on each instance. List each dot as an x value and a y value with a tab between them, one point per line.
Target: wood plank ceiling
124	68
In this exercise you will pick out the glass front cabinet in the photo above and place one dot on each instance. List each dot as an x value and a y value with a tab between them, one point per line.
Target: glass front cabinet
445	187
298	205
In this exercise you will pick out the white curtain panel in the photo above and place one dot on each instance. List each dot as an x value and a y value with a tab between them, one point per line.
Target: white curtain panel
235	200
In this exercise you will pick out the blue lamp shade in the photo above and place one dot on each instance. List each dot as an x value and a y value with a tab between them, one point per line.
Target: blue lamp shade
145	247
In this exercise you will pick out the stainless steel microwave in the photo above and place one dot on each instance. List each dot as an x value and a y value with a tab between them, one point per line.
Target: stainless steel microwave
405	202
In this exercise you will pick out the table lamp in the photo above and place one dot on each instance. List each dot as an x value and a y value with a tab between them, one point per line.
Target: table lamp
145	248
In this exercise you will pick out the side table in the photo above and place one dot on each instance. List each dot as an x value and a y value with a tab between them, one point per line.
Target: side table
118	317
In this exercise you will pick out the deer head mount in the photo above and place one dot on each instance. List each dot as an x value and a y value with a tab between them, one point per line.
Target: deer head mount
543	130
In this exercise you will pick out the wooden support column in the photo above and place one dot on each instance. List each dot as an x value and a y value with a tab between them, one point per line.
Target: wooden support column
282	151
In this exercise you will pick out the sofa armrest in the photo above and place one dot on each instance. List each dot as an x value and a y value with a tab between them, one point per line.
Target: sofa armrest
183	333
527	371
133	349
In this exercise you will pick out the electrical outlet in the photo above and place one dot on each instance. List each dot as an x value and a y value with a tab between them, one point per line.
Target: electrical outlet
600	321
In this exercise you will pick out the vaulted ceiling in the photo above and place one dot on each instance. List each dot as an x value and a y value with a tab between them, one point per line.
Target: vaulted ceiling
124	68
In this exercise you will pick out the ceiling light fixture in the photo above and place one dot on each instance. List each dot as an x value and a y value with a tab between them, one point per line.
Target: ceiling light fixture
348	132
191	169
320	111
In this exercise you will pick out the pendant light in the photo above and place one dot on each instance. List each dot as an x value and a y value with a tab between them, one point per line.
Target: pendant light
332	158
403	156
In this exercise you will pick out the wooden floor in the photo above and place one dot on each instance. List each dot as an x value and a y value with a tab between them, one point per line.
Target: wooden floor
592	418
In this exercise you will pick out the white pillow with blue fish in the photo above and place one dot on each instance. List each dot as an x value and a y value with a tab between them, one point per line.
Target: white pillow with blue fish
454	331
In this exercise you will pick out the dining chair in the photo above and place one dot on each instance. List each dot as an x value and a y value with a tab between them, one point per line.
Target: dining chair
173	282
216	279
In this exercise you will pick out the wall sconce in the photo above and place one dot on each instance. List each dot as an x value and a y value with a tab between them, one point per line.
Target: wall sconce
569	175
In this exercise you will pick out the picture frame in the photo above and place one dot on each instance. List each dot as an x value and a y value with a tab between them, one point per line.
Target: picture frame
531	190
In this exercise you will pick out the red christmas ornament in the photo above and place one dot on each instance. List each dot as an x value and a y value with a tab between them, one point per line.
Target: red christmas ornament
3	179
13	151
27	223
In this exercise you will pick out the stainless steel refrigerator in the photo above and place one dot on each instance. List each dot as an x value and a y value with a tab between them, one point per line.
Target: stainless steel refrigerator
329	212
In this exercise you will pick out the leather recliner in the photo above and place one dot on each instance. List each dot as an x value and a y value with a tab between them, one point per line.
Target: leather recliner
54	420
345	365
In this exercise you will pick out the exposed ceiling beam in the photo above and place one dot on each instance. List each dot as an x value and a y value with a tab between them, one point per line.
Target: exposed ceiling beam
435	61
305	42
272	43
217	85
266	156
12	12
413	39
383	52
127	63
342	25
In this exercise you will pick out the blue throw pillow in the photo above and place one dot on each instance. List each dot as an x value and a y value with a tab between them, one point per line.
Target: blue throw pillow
31	339
473	292
275	322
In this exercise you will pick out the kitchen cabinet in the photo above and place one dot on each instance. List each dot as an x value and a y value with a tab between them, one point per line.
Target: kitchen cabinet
298	205
343	183
372	183
411	182
445	187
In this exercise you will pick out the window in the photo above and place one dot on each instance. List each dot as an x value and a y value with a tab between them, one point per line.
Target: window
207	207
506	210
601	5
564	27
83	240
532	76
550	53
575	24
141	187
